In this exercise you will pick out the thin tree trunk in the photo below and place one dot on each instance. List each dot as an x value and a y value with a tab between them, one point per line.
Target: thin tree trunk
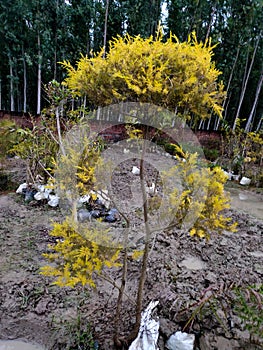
259	124
55	59
56	44
246	69
143	272
246	81
228	86
210	23
105	27
25	81
251	115
12	100
39	76
59	132
122	288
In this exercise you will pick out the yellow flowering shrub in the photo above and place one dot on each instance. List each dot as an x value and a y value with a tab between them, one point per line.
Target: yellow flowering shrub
202	197
76	257
170	74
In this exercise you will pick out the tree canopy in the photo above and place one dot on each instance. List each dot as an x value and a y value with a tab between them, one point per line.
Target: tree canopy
175	75
36	35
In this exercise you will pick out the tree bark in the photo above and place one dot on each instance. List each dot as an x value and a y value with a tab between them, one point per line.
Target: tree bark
227	89
39	75
12	100
25	81
105	27
246	81
210	22
251	115
259	124
143	272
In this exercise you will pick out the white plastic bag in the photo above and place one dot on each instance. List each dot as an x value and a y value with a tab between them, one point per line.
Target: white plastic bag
21	188
245	181
149	331
180	341
53	200
135	170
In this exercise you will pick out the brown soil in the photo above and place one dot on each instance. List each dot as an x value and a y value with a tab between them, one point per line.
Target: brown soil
180	270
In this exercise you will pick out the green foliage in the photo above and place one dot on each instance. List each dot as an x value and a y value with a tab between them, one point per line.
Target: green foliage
75	332
245	302
242	152
171	74
7	137
248	306
211	154
37	148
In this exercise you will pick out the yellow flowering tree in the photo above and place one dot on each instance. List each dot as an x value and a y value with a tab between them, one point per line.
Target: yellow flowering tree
177	76
180	77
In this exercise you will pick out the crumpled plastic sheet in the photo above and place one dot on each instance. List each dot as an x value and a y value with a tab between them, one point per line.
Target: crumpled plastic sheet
180	341
149	331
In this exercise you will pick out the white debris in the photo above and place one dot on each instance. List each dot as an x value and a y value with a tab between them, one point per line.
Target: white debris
103	197
21	188
229	174
53	200
126	151
40	188
180	341
151	189
149	331
40	195
245	181
43	192
135	170
84	199
235	177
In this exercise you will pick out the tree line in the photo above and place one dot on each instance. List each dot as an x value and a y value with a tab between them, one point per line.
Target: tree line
37	35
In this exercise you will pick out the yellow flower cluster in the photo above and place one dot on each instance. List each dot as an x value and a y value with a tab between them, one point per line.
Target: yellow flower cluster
77	258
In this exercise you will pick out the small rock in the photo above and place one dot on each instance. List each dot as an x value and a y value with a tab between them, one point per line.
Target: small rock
258	268
41	307
226	344
204	342
211	277
166	327
192	263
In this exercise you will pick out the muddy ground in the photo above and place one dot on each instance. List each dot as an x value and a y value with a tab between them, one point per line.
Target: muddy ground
181	271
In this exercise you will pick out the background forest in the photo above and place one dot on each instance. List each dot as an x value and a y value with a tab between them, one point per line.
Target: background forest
37	35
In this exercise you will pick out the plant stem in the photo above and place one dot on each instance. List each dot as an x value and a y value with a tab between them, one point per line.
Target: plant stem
142	279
